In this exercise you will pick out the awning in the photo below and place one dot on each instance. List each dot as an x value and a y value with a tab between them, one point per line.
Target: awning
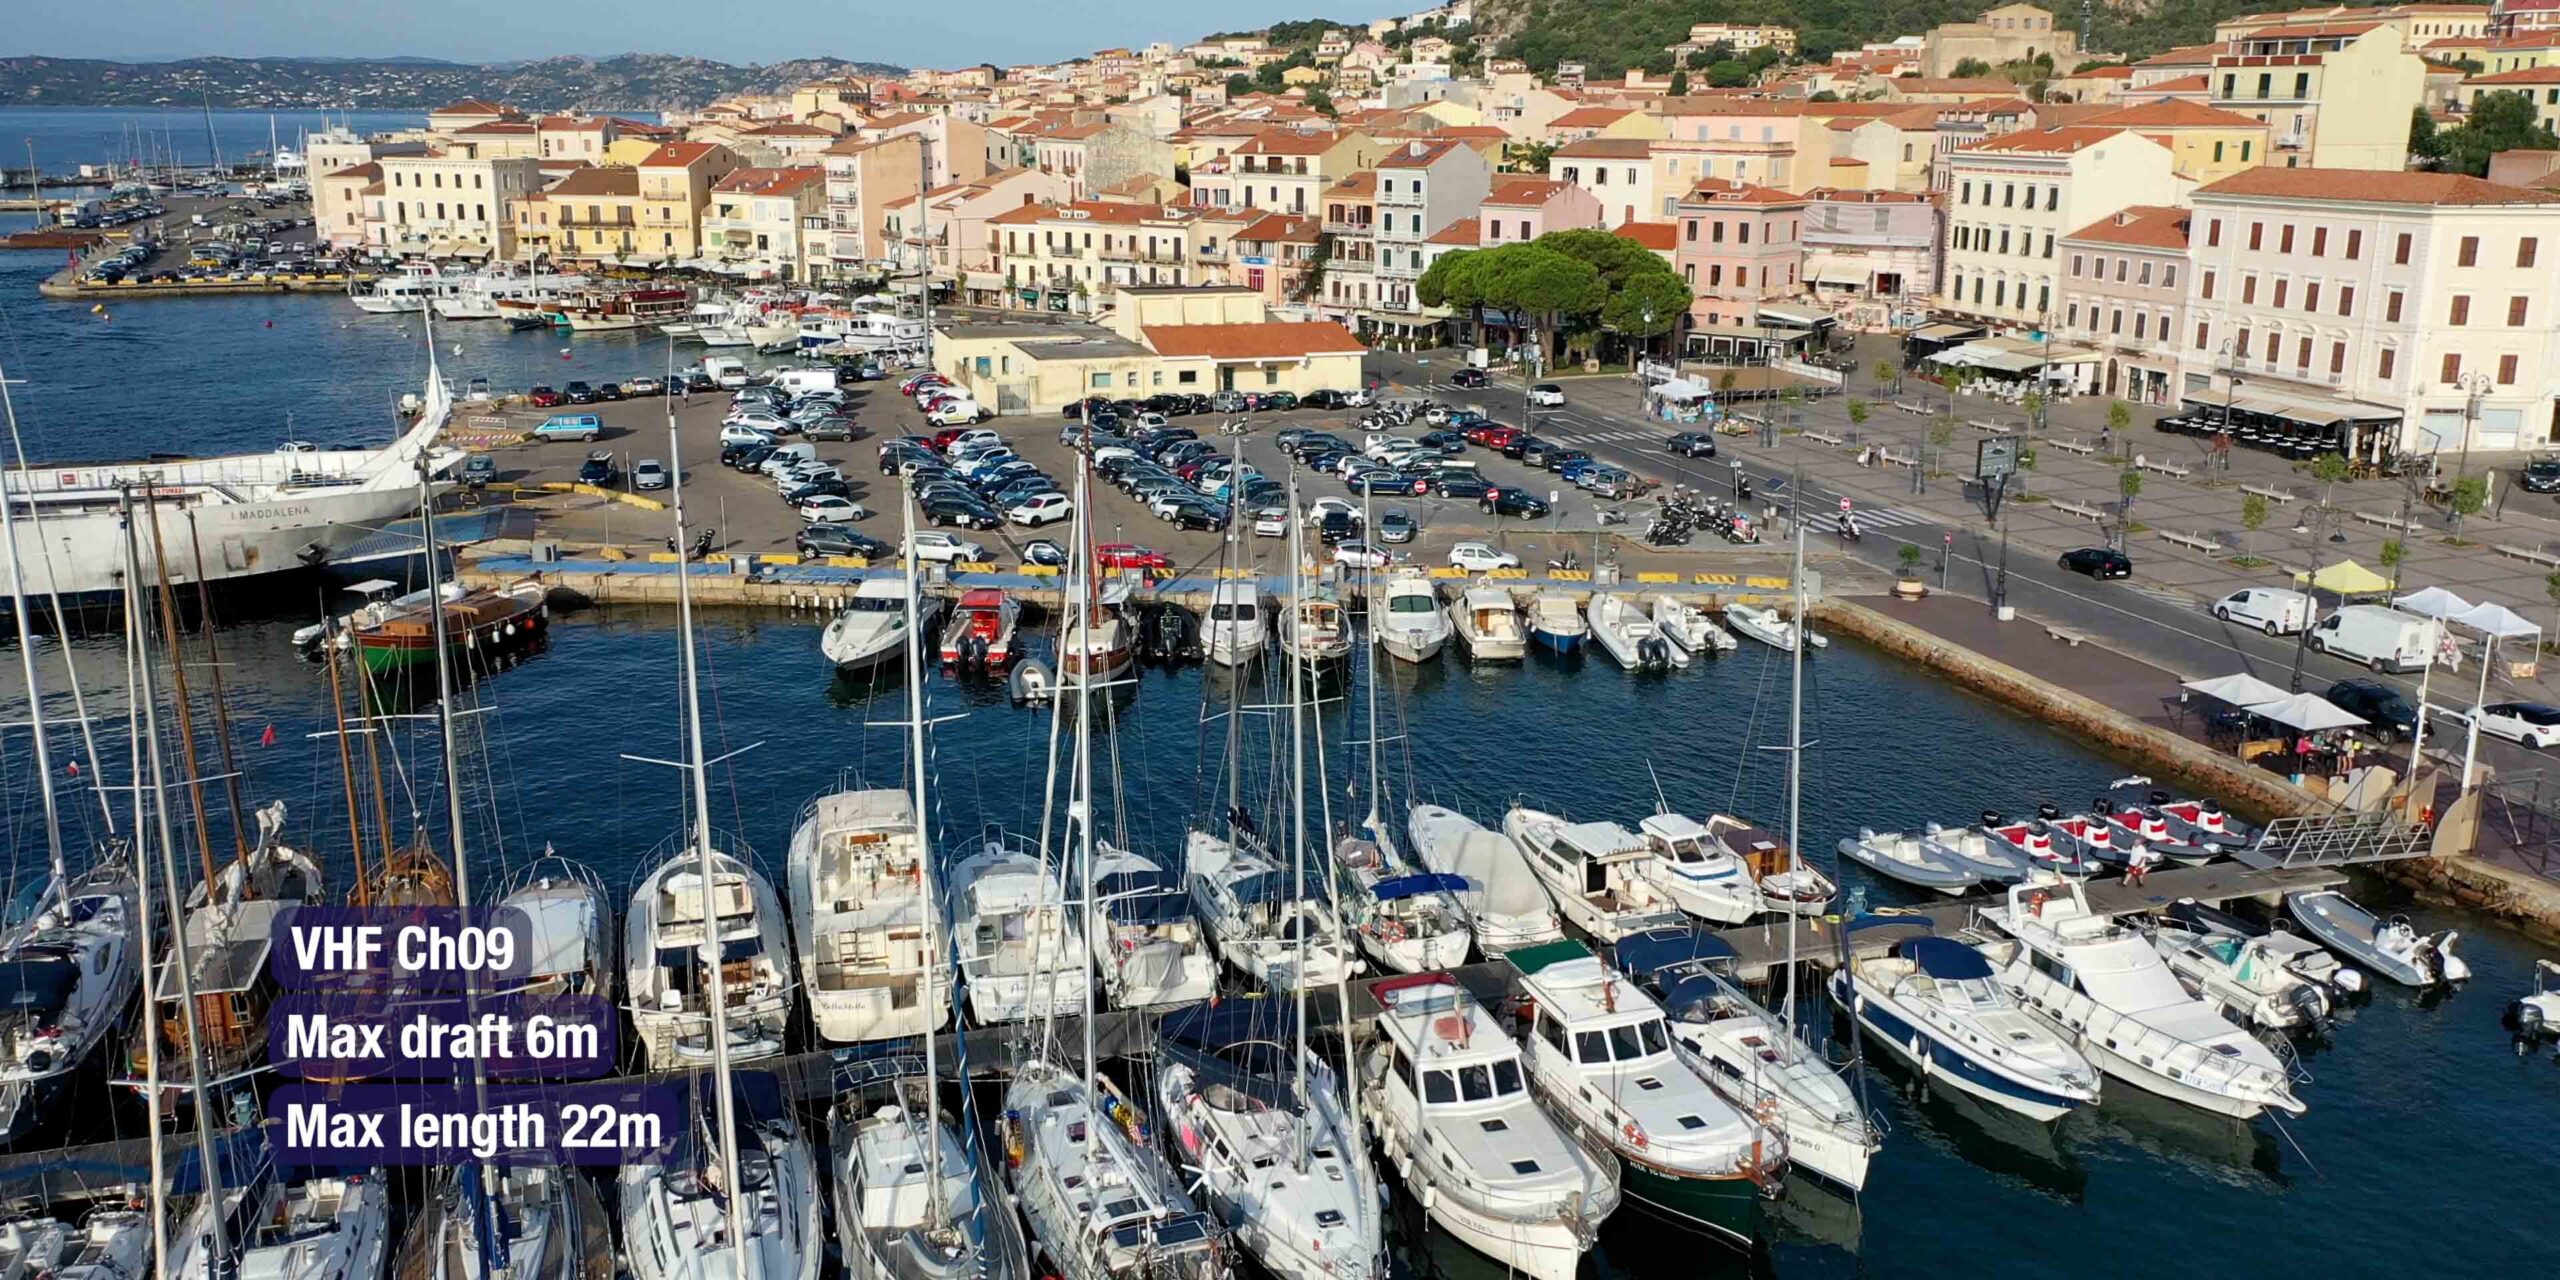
987	281
2308	712
1833	268
470	249
1683	389
2496	620
1791	316
1947	332
2239	690
2347	578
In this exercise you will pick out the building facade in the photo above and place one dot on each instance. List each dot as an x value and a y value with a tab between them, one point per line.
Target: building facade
2017	195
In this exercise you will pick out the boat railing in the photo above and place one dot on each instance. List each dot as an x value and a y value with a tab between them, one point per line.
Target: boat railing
2185	1061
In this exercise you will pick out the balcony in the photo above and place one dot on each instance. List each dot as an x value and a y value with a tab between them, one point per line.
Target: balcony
1400	199
1348	228
2292	141
1116	253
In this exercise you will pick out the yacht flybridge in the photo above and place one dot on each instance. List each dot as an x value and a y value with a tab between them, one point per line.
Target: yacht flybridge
858	906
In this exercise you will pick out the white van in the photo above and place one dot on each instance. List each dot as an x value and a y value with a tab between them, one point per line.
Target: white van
801	382
787	456
2380	637
2271	609
726	371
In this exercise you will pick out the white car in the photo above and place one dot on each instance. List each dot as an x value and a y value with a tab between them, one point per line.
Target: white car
1546	395
1476	557
1153	422
1360	555
1040	509
2533	724
830	509
761	419
946	548
1271	522
956	413
1322	507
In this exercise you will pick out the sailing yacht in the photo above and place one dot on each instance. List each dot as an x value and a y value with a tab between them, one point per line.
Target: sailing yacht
911	1195
1594	870
67	981
1700	876
1502	896
1450	1104
1749	1053
1601	1056
1408	921
324	1227
858	903
1101	1203
1259	1119
682	1218
568	926
1021	950
674	925
112	1243
1314	628
1788	885
2099	983
1255	915
229	928
552	1226
1146	942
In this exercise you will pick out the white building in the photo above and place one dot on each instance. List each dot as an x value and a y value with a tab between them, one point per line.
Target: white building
2012	199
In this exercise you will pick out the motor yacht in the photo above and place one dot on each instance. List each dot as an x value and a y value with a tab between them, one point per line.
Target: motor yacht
1556	622
858	909
872	628
1595	871
1787	883
1405	617
1236	620
1486	621
1935	1006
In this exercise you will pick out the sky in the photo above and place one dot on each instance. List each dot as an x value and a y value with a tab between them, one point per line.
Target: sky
941	33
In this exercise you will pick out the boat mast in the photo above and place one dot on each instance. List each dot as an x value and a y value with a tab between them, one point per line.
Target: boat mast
1298	663
27	655
924	857
1080	797
707	864
1795	780
186	717
135	661
198	1069
1376	832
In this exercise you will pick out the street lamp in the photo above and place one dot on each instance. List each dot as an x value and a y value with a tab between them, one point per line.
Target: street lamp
2475	385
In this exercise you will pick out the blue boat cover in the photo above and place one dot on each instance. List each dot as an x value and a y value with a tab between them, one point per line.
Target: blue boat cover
38	987
1945	958
1245	1045
1653	951
1141	897
1413	886
1273	886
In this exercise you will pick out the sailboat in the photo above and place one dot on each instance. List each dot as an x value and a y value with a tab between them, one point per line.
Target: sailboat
1504	901
738	1195
111	1243
1405	918
912	1197
1146	941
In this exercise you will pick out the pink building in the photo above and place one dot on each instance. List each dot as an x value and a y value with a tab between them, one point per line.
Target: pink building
1740	245
1525	208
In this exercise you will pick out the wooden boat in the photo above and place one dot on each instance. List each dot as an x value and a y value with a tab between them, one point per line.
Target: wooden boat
392	635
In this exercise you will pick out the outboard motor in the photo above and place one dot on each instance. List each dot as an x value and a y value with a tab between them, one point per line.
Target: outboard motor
1993	818
2157	798
2525	1019
1650	655
2048	812
2309	1002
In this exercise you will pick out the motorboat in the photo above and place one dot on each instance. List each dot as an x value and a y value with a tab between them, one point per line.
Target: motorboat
1146	941
2091	835
1556	622
675	924
1258	1121
1275	933
1315	628
858	908
1750	1054
2390	947
858	330
1699	875
1406	920
2298	954
413	290
1913	860
594	311
2203	823
110	1243
1449	1101
2535	1015
980	634
1691	629
1021	948
322	1227
2241	978
1405	617
681	1219
480	624
1486	621
1991	861
1769	627
914	1199
1236	623
553	1224
1504	900
1935	1006
1600	1055
2101	984
1621	628
2036	841
1595	871
2148	825
1168	634
67	981
872	627
1788	884
1102	1204
479	296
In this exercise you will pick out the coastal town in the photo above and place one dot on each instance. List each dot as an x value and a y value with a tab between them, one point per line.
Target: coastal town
1350	649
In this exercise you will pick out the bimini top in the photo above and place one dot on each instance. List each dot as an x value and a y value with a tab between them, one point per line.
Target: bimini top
1141	897
1654	951
1944	958
1414	886
1242	1045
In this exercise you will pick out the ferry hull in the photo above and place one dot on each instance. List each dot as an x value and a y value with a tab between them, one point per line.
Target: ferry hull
84	554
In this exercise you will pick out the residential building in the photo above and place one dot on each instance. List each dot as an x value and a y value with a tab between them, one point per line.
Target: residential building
2420	299
963	251
2017	195
2418	23
2206	144
1274	255
864	178
467	113
1704	36
1066	256
585	138
1156	339
1422	186
1525	208
1098	155
1282	169
2539	85
760	222
1351	263
1617	172
2337	95
2124	286
2010	33
1871	249
591	215
675	188
342	165
446	204
1740	245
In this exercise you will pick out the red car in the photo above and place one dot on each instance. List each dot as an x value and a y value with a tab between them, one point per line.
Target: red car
545	398
942	439
922	380
1129	555
1492	436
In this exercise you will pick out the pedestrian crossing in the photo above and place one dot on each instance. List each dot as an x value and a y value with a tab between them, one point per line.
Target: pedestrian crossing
1587	436
1893	518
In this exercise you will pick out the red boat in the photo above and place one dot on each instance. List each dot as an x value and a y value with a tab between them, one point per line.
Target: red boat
980	633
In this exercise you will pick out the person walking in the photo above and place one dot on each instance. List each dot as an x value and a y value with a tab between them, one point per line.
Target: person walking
2137	865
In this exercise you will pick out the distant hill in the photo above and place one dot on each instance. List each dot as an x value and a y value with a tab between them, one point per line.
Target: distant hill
631	81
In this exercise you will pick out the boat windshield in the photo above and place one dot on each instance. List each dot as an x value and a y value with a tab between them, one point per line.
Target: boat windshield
1232	611
1683	850
1409	604
876	604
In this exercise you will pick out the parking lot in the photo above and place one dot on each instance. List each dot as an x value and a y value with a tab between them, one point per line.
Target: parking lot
750	518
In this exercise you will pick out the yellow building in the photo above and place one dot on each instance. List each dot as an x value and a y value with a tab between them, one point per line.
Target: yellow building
2205	143
1159	339
590	215
2539	85
675	188
2336	95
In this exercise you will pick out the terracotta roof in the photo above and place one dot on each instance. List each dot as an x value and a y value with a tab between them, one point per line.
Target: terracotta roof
1268	340
2172	113
571	124
510	128
597	182
1135	184
1589	118
1950	84
1460	231
2194	55
1724	192
2197	83
1662	237
1289	142
771	182
2524	75
2066	140
2102	73
1519	192
1419	153
2311	31
2375	186
790	129
678	153
1606	149
1281	228
1359	185
2141	226
1114	212
368	170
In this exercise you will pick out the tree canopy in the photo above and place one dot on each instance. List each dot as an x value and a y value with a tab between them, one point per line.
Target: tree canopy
2497	122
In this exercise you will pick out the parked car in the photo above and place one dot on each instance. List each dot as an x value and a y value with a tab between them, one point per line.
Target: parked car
1477	557
597	469
830	427
1546	395
2098	562
1271	522
2274	610
945	547
570	426
1279	401
1043	551
836	540
1047	508
2541	475
2535	725
1336	527
1449	443
1396	525
579	392
644	385
1129	555
823	486
830	509
1518	445
960	513
1329	399
1199	517
1692	444
544	398
1460	484
608	391
2392	716
1227	402
1358	554
1507	501
649	473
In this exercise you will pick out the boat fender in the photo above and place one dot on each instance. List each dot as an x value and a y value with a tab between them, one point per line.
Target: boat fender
2350	981
1430	1197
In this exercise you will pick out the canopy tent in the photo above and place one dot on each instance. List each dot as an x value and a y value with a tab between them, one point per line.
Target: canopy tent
2240	690
2346	578
2496	621
1683	389
2434	602
2308	712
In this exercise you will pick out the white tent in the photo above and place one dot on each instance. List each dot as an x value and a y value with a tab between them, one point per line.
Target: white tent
2308	712
1683	389
2238	690
2495	620
2434	602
